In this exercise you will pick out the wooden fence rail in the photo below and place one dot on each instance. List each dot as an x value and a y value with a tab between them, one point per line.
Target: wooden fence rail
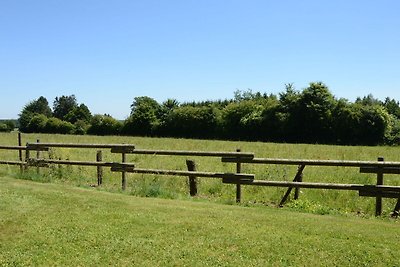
332	163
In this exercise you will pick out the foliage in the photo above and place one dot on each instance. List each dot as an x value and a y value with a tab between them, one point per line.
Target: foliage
64	105
79	113
7	126
144	117
104	125
312	115
33	108
192	122
55	125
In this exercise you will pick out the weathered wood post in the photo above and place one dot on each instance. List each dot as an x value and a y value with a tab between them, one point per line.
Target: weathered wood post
191	165
238	185
27	156
99	158
123	174
37	156
299	179
21	168
379	178
396	210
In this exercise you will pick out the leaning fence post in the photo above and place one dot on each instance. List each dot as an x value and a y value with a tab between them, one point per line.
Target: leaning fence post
379	178
20	151
123	172
238	185
299	179
191	165
99	158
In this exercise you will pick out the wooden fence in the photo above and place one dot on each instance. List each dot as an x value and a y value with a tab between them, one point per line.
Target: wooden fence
378	191
238	178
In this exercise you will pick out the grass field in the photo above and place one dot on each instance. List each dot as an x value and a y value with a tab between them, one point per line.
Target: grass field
315	201
47	224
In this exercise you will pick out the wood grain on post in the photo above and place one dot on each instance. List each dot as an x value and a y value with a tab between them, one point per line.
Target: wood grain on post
123	174
297	178
27	157
238	185
20	151
379	181
99	158
191	165
37	157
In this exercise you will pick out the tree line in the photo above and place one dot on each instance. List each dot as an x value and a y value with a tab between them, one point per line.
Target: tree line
312	115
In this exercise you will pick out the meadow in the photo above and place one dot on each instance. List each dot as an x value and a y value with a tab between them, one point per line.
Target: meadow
314	201
50	224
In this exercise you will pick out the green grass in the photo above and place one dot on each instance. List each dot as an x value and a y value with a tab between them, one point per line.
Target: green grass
44	224
316	201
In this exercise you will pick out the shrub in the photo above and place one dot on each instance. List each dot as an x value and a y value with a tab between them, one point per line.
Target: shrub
55	125
104	125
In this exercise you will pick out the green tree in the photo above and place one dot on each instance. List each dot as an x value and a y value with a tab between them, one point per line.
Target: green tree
144	118
39	106
38	124
233	119
104	125
63	105
191	122
316	107
80	112
392	107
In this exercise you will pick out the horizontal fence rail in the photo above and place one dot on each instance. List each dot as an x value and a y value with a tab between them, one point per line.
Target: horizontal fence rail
13	147
35	146
355	187
333	163
186	153
183	173
46	162
10	162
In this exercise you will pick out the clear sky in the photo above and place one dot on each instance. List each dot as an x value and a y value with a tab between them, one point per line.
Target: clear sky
108	52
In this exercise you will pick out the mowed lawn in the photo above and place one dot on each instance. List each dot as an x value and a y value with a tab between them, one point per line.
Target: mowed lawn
52	224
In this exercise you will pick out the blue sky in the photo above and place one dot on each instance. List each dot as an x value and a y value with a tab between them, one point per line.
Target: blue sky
108	52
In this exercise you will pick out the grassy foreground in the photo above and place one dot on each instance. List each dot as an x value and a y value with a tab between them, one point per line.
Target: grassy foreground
52	224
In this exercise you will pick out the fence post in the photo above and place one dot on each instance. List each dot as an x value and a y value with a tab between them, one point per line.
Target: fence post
191	165
99	158
27	156
379	178
37	156
238	185
123	174
20	151
299	179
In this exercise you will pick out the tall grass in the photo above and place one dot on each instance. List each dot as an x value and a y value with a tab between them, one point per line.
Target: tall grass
318	201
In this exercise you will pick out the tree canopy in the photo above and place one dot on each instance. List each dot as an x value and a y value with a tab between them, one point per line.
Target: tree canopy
311	115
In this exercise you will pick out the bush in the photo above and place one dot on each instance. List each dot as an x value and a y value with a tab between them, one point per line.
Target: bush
7	126
55	125
4	128
191	122
104	125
